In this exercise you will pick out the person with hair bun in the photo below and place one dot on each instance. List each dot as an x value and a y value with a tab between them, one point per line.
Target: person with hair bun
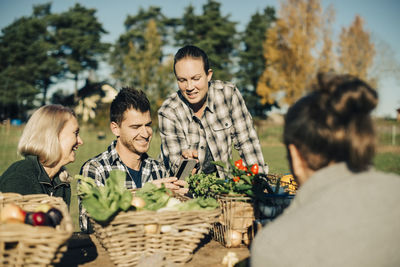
345	213
48	143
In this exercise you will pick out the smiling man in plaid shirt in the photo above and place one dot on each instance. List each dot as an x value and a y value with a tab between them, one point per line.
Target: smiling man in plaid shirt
204	118
131	124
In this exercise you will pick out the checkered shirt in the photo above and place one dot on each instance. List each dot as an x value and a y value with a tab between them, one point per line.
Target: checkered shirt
99	168
225	121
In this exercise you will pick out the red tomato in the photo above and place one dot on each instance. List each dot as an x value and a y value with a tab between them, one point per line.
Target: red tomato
236	179
239	163
254	169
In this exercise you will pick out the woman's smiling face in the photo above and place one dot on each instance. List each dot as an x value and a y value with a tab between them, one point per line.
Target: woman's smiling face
69	141
193	80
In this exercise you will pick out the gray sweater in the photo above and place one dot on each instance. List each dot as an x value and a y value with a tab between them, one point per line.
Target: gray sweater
338	218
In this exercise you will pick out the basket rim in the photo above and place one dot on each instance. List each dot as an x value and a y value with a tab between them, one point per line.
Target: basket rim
66	227
151	217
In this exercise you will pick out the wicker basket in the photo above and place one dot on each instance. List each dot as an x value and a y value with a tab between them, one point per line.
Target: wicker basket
241	217
237	216
27	245
173	234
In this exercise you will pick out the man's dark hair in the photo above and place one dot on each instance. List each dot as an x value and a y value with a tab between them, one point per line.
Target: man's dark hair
128	98
191	51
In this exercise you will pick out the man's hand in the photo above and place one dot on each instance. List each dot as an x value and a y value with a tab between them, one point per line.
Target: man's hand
183	187
178	186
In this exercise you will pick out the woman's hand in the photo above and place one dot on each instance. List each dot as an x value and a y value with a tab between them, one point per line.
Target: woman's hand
190	154
178	186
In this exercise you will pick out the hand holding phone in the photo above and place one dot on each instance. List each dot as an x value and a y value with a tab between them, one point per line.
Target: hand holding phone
185	168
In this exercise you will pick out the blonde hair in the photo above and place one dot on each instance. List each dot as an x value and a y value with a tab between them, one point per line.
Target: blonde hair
41	134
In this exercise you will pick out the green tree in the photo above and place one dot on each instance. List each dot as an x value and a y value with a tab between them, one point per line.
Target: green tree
134	38
78	34
48	70
138	59
144	68
212	32
251	60
28	65
136	24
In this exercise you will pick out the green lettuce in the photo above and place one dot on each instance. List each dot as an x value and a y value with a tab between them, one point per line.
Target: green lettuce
102	202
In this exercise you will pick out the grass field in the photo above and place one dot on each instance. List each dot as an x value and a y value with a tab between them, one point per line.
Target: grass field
387	159
273	150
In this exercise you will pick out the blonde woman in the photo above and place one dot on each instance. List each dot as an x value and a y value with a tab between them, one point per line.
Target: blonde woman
48	143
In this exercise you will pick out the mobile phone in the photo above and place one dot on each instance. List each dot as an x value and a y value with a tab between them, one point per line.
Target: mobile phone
185	168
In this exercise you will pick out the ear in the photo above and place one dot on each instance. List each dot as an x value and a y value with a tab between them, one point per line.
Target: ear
115	128
209	75
299	165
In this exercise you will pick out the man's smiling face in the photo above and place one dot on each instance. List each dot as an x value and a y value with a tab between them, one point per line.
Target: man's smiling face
135	131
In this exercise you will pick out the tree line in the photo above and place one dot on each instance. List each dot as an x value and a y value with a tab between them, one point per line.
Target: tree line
273	61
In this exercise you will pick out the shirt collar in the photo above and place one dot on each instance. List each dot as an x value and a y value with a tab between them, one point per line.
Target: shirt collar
211	96
57	181
43	177
114	154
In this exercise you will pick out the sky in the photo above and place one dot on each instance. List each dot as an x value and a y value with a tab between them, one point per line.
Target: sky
381	19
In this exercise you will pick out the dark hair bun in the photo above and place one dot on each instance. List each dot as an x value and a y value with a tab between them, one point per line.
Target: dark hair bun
333	123
346	95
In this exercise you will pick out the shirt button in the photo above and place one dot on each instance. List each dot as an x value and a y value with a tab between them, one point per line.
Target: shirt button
202	147
226	124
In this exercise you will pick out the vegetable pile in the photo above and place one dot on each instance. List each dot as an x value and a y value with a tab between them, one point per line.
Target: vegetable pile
43	215
241	180
161	199
102	202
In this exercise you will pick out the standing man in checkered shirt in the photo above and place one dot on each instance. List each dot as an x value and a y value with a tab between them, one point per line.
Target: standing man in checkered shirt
131	124
204	118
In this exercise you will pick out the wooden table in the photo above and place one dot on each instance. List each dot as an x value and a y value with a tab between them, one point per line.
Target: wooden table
85	250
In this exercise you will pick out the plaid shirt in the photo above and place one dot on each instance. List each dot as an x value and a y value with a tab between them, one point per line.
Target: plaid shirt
100	166
225	121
